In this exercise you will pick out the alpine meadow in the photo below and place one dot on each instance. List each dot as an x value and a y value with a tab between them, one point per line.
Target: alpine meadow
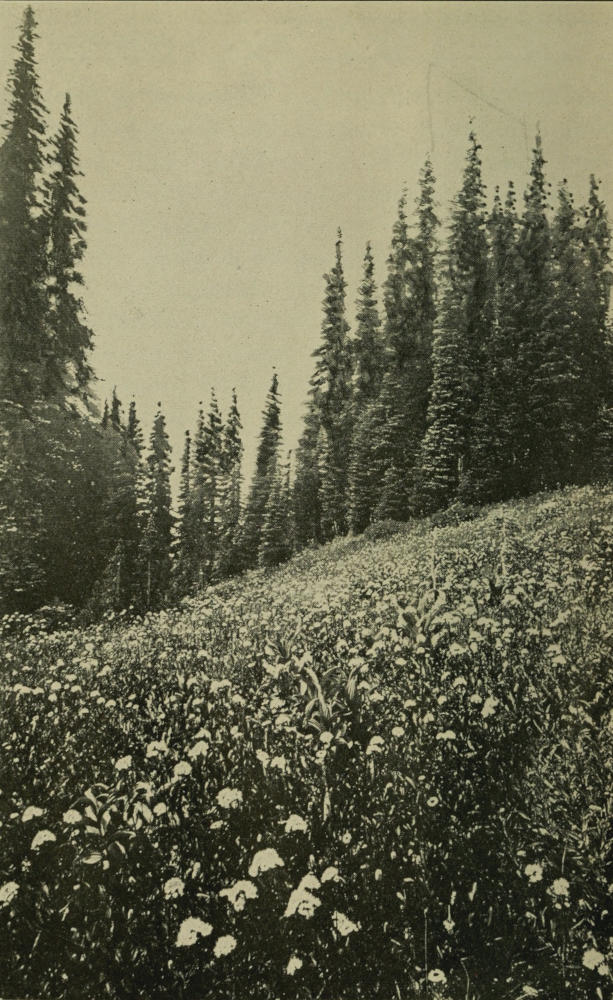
331	719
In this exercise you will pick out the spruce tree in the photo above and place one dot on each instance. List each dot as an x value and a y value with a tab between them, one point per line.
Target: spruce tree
71	338
331	396
367	344
184	571
537	464
115	414
134	431
227	558
493	469
461	333
157	535
24	343
276	535
266	462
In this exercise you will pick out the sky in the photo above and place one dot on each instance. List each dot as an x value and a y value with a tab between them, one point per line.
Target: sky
223	143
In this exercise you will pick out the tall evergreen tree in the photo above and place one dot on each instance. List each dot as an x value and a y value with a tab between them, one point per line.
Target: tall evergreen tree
24	344
157	535
71	338
115	414
331	399
227	559
266	462
368	341
184	570
276	535
134	431
536	376
493	468
461	334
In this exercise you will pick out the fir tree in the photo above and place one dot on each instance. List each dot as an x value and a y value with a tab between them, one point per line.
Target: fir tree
228	560
458	351
266	461
156	541
331	399
493	468
24	344
184	571
115	414
134	431
71	338
368	342
276	535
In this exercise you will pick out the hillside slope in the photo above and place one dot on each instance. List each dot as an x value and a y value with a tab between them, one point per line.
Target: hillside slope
383	770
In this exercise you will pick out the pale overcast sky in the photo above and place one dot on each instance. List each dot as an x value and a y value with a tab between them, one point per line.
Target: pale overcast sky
224	143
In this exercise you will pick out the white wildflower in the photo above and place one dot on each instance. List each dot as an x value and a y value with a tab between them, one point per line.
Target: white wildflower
31	812
295	824
264	861
42	837
343	924
224	945
239	893
190	930
8	891
173	888
294	965
230	798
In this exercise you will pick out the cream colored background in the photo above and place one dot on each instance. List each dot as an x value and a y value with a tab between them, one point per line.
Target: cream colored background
223	143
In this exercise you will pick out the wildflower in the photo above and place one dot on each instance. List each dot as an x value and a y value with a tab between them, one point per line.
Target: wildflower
459	682
224	945
199	749
174	888
72	816
239	893
592	958
302	902
489	706
330	875
476	699
190	930
378	875
124	763
42	837
295	824
264	861
448	735
263	758
437	976
282	720
294	965
375	746
534	873
276	704
346	838
560	887
160	808
156	748
428	717
219	686
8	891
343	924
31	812
432	801
229	798
238	700
279	764
309	882
56	686
182	769
397	732
326	738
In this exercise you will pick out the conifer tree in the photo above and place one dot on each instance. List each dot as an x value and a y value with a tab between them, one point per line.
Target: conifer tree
71	338
206	455
24	345
331	399
266	461
276	535
106	415
134	431
493	468
536	379
228	560
115	414
157	535
461	334
368	341
184	570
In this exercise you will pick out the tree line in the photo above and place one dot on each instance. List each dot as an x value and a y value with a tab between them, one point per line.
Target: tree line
481	370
